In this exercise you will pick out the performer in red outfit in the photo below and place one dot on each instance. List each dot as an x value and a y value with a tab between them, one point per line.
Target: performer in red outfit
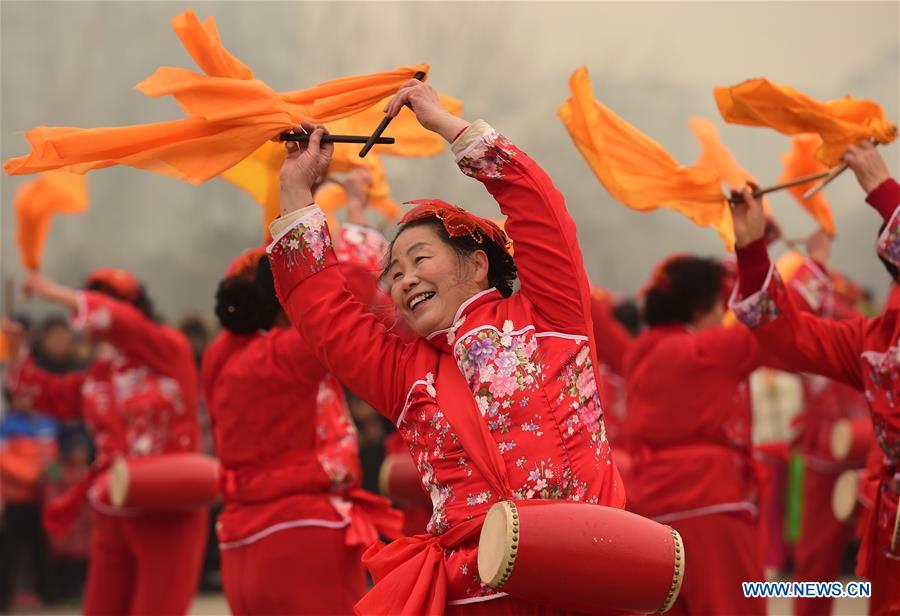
527	358
689	426
819	549
860	352
139	397
295	520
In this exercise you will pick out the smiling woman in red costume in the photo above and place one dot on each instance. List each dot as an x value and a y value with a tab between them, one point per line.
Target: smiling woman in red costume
139	397
295	520
860	352
497	398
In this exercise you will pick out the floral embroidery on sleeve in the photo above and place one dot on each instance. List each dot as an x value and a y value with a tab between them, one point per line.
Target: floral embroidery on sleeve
889	241
761	307
305	245
487	156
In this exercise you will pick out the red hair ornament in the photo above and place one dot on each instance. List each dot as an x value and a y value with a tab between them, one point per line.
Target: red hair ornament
119	281
457	221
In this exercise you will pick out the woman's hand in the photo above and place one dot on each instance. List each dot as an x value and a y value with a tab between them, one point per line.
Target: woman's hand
356	185
304	165
430	112
38	285
818	246
748	216
867	164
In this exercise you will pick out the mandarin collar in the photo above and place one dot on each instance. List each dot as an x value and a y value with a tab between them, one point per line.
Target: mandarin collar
443	339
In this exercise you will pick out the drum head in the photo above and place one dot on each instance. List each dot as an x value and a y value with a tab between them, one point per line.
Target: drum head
895	538
498	544
841	439
118	482
384	475
843	498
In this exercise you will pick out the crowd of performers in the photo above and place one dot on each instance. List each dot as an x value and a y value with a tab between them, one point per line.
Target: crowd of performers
507	379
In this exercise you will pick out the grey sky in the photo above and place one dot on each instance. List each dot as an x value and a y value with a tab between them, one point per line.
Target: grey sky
655	64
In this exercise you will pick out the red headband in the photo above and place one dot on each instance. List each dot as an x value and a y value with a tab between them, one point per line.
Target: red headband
244	265
120	281
457	221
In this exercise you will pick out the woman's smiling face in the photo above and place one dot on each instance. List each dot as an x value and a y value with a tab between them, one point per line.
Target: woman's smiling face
429	279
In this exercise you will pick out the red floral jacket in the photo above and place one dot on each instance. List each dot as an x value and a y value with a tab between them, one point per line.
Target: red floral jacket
861	352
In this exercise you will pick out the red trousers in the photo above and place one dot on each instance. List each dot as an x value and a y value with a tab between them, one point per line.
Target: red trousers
820	546
504	606
147	564
885	578
303	570
721	551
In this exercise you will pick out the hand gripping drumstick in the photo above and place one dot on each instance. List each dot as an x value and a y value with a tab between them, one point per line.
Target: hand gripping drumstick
383	125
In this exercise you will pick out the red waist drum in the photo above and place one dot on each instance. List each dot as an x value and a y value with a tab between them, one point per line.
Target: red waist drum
167	482
851	440
399	480
581	557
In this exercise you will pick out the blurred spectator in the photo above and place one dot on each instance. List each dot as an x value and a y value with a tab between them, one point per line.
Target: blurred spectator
27	448
198	333
68	554
54	345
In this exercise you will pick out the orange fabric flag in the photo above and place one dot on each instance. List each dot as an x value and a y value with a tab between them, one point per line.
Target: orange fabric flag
231	118
800	162
5	350
56	192
841	122
204	45
636	170
231	115
258	175
714	155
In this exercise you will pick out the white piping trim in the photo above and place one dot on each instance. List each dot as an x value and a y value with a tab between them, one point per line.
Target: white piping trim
229	545
578	337
314	208
732	301
499	332
477	599
459	310
406	402
887	227
699	511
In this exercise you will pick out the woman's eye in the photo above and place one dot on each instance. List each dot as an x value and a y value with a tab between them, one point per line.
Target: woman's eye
418	259
396	276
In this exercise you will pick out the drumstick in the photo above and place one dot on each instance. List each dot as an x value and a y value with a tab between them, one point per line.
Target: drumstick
831	176
764	191
383	125
828	179
303	138
793	243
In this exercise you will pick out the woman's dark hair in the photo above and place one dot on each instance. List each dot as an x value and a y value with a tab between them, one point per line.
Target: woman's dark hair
628	314
141	302
502	272
892	269
246	306
684	288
